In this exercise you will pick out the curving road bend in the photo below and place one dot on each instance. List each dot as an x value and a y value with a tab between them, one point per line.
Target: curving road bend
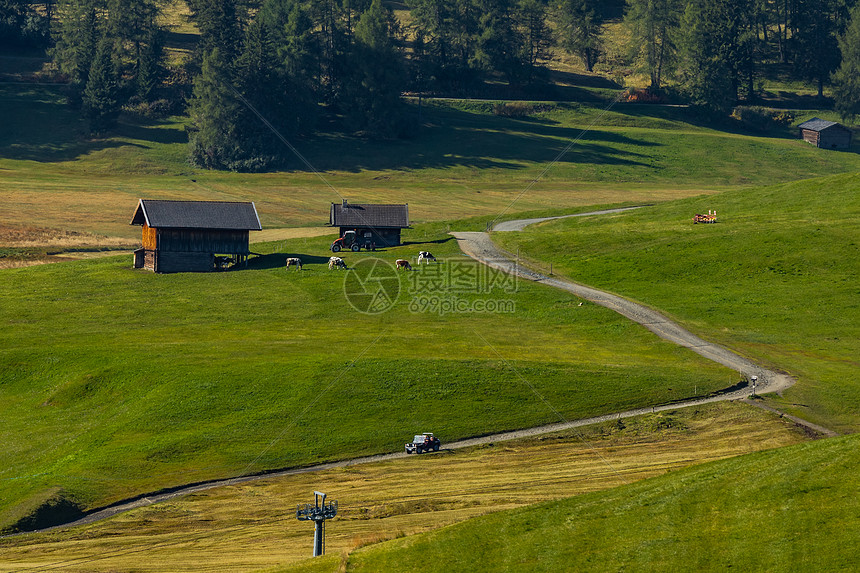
520	224
480	247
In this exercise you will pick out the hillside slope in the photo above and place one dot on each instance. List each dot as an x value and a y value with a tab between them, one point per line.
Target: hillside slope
117	382
791	509
775	278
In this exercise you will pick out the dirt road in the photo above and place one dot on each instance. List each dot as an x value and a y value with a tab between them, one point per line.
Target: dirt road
480	247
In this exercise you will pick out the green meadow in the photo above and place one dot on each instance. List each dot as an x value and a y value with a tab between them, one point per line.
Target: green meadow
789	509
117	382
776	278
463	162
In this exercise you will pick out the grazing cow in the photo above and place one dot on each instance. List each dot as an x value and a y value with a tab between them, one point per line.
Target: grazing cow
425	257
403	264
295	261
336	263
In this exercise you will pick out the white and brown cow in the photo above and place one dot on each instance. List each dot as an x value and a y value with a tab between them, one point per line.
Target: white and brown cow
336	263
426	257
402	264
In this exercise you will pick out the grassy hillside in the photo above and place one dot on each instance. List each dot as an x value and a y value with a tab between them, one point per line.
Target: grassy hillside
791	509
465	161
116	382
776	278
251	526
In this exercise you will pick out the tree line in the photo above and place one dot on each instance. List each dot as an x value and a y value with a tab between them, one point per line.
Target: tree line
299	66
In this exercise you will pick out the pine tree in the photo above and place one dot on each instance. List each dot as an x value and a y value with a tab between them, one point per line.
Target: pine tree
214	110
654	27
499	43
846	79
22	25
101	95
814	43
450	31
219	24
149	70
580	27
537	37
78	38
719	43
372	93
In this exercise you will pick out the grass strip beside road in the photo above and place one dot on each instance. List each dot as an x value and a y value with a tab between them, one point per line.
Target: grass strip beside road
252	526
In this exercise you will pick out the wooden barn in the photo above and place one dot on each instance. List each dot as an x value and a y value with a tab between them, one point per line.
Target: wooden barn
192	236
825	134
380	224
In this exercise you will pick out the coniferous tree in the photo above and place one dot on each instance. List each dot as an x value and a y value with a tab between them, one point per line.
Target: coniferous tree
78	38
580	27
450	31
214	111
101	96
219	24
498	42
372	95
149	70
22	25
719	43
846	79
654	27
537	37
814	44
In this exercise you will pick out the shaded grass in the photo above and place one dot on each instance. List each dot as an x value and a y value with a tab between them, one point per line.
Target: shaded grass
464	161
116	382
788	509
776	278
253	526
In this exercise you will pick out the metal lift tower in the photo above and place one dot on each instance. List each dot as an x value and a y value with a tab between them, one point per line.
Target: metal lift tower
317	512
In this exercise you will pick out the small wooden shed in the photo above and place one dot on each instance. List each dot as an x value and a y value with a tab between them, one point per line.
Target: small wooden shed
380	224
187	236
825	134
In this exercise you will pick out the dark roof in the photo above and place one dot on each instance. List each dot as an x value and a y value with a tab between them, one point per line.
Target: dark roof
816	124
197	215
382	216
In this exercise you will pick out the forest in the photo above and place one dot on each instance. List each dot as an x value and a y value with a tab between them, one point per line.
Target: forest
277	69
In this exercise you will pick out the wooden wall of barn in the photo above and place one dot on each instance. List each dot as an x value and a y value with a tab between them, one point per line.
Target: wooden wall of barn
203	241
831	138
810	136
150	237
835	138
173	262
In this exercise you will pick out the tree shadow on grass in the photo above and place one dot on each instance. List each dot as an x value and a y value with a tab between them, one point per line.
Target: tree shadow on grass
43	128
454	138
433	242
279	260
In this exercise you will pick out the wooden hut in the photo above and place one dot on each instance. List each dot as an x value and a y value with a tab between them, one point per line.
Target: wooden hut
825	134
187	236
379	224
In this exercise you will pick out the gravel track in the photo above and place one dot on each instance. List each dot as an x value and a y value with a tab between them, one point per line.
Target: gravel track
480	247
521	224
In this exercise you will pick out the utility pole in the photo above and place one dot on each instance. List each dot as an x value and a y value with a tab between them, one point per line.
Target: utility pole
317	512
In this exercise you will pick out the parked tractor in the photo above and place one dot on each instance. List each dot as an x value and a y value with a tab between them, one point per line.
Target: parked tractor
352	241
425	442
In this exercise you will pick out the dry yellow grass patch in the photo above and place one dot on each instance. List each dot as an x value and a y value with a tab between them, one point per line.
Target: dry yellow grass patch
253	526
23	237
